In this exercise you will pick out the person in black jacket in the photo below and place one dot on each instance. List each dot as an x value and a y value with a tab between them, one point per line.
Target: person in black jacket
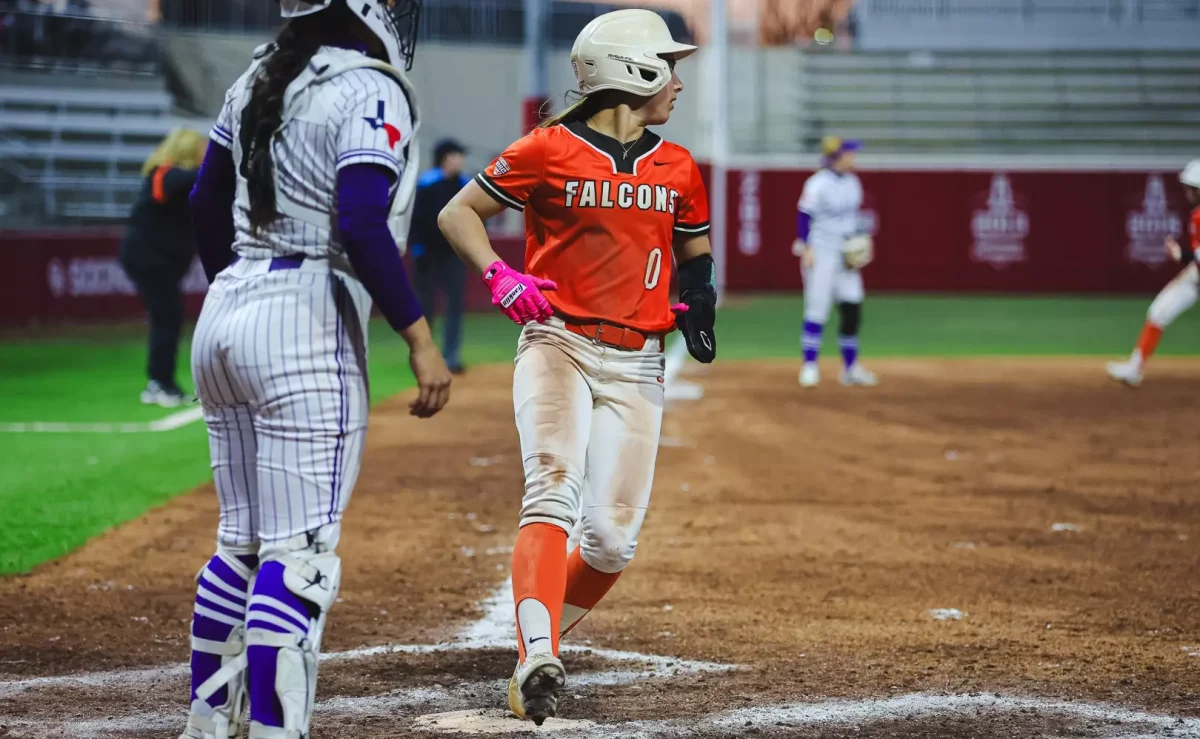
158	251
438	267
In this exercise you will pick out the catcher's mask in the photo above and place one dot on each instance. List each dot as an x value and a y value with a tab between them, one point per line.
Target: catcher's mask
394	22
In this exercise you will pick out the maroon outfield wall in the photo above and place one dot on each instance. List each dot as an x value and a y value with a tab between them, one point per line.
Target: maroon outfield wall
974	231
74	276
935	231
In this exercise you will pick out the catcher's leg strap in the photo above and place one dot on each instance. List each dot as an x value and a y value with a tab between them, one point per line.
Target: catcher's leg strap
295	588
218	643
851	318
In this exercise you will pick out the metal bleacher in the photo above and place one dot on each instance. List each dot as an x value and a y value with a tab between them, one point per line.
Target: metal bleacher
74	153
1127	102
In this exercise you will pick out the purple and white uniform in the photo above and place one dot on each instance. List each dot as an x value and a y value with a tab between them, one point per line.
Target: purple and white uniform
280	350
280	364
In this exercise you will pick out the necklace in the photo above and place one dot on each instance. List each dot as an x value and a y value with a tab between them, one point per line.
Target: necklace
625	148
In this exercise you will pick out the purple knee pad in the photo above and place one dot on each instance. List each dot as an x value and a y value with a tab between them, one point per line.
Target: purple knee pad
221	597
272	608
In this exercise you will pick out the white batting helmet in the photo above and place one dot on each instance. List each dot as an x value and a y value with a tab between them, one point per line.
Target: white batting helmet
1190	175
626	50
394	22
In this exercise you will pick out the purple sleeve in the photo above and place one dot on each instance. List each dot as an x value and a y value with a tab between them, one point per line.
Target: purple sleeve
364	192
212	210
803	226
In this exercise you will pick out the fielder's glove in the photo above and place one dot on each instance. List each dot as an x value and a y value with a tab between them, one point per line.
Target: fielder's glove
858	251
696	314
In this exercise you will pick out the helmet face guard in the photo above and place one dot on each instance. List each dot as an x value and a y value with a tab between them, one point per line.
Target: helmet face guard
403	18
393	22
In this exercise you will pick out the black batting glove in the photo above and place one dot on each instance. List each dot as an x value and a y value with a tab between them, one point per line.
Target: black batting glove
696	315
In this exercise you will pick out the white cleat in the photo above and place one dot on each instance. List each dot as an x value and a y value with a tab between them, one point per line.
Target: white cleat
1129	372
166	397
534	687
810	375
858	376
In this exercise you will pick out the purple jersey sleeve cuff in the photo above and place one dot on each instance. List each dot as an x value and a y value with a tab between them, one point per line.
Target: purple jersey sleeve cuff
803	226
212	210
364	195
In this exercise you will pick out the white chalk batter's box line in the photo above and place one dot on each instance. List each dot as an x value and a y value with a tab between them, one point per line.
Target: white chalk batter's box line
496	630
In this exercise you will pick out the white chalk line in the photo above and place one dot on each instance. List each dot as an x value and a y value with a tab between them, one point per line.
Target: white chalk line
176	420
675	356
776	719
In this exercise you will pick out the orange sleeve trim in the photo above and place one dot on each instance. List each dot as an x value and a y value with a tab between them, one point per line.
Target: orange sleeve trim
156	185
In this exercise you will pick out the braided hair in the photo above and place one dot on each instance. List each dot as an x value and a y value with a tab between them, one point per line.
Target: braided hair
293	49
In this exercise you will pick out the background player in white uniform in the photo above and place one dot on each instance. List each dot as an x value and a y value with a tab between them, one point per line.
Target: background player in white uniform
1177	297
309	178
829	209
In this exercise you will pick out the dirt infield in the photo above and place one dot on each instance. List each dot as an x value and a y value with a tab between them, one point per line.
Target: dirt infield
797	547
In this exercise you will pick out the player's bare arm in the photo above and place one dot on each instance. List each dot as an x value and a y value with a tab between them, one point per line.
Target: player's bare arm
429	368
462	223
519	296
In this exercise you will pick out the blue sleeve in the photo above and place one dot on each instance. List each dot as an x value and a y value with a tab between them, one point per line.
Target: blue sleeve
364	192
803	226
212	210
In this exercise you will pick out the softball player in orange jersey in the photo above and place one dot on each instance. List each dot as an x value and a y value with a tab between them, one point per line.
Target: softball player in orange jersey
1178	296
607	204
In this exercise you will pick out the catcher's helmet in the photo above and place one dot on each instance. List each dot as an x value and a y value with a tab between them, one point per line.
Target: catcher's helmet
626	50
394	22
1190	175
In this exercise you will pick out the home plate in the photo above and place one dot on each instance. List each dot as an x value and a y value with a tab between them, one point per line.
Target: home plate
492	722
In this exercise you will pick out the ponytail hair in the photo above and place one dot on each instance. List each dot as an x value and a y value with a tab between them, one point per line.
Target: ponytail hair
579	108
294	48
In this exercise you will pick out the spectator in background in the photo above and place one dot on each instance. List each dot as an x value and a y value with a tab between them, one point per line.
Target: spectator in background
158	251
438	267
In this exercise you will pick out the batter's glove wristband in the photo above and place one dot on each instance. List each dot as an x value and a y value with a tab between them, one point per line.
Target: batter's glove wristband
1186	256
696	314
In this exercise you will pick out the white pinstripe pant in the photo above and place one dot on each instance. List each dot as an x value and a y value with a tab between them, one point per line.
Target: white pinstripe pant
280	366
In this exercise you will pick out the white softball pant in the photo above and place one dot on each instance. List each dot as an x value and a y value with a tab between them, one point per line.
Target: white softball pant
1174	299
589	418
280	365
829	281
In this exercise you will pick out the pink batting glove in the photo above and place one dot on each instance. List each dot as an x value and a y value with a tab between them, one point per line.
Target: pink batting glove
679	308
518	295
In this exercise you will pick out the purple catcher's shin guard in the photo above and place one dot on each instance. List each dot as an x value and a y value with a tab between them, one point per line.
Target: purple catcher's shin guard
276	610
291	597
219	645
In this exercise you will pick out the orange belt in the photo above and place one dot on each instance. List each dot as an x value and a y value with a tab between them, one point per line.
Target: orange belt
608	334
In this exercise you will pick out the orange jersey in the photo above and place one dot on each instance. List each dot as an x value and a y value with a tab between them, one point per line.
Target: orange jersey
601	222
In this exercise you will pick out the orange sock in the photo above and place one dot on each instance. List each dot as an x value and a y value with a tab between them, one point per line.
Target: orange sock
1148	341
540	574
585	587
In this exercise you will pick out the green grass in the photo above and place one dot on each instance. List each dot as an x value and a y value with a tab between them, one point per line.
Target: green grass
922	326
58	490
